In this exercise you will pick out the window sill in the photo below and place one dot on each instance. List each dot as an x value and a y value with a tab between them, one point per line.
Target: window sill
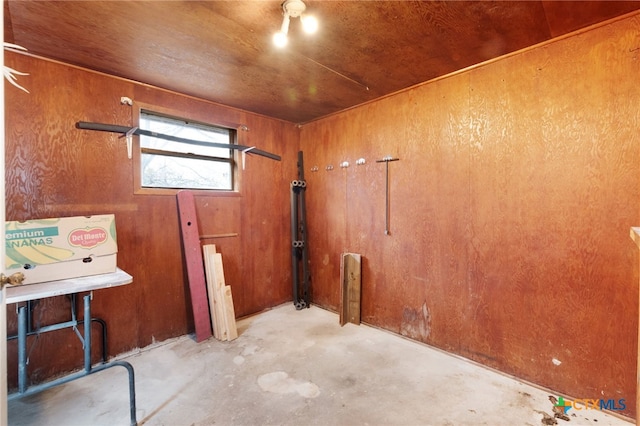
196	192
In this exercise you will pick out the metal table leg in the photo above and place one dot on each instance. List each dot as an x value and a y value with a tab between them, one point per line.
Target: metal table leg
22	348
24	390
87	333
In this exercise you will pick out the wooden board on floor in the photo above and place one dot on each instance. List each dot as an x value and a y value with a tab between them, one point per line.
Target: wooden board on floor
193	258
350	287
220	298
229	313
208	251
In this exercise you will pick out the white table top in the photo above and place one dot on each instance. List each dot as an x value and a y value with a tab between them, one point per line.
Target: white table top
26	292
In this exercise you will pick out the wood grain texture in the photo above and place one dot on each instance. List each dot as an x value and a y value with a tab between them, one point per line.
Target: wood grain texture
192	252
510	212
56	170
510	209
350	288
222	50
325	199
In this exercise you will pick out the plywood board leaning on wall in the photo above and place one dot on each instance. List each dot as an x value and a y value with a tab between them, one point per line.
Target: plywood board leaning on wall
193	259
220	298
350	287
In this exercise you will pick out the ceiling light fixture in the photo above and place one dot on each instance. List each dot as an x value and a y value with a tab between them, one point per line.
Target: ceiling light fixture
294	9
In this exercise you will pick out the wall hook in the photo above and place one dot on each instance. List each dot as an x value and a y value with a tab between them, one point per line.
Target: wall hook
344	164
360	161
329	167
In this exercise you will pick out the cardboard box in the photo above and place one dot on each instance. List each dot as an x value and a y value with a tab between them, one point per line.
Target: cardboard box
61	248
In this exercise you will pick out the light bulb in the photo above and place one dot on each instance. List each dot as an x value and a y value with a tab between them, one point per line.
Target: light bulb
280	39
309	24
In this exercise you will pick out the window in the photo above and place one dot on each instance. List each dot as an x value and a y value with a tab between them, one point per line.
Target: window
182	165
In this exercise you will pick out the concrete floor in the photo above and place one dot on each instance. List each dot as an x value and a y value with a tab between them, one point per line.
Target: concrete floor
293	367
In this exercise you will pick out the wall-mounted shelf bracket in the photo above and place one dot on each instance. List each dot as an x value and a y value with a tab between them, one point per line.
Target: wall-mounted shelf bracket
129	136
129	131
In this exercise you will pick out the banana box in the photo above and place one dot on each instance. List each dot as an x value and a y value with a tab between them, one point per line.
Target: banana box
61	248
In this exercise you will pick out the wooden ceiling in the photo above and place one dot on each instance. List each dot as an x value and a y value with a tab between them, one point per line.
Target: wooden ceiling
222	50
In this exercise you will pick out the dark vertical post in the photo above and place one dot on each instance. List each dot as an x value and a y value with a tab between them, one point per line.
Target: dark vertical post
299	243
306	273
294	242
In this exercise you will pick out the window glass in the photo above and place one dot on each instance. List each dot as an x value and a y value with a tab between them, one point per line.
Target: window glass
180	165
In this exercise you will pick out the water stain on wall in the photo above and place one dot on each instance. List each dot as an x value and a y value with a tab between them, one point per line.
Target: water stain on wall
416	322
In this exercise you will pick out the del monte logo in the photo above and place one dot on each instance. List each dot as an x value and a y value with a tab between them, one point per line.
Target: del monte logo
87	237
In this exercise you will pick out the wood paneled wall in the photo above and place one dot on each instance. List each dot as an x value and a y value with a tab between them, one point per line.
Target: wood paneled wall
54	169
510	210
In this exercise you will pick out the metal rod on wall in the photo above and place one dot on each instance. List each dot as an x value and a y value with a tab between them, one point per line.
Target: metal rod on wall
129	131
386	160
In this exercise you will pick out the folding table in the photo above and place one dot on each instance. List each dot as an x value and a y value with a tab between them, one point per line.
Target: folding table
24	294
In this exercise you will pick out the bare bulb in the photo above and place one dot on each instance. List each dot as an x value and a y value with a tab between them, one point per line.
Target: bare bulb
309	24
280	39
